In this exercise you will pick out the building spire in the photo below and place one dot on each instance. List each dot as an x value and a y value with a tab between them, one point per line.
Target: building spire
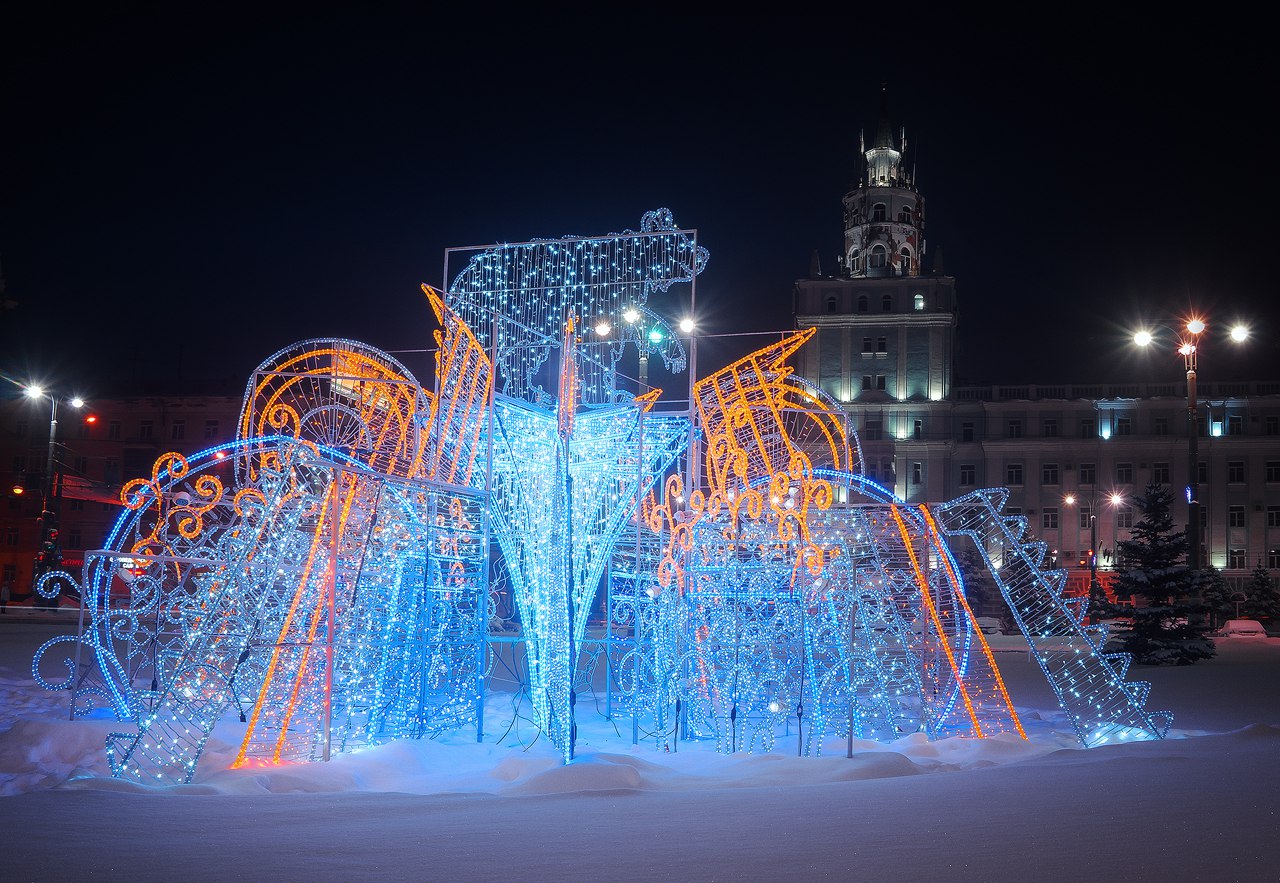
884	131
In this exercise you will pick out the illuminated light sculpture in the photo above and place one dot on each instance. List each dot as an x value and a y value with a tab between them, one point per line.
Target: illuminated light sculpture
334	603
516	299
328	575
344	395
566	480
771	598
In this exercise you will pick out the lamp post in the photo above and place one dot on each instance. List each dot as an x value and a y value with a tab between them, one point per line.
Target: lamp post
1188	347
48	515
1069	501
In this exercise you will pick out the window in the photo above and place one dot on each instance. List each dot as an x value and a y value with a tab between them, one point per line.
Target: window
862	303
1273	470
1236	559
211	429
1273	516
1235	516
1049	518
866	383
11	535
879	381
904	214
76	505
1161	426
878	256
1049	429
1273	559
83	431
1086	514
1088	427
1015	429
178	431
878	212
1124	473
1124	426
1272	424
917	473
1235	424
882	344
1086	473
917	430
1160	473
886	303
1049	473
917	302
866	346
831	305
968	477
1235	471
874	430
1124	517
1013	473
906	260
113	429
80	465
20	428
966	432
73	538
146	429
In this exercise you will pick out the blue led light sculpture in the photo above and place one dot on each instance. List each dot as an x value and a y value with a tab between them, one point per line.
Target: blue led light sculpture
328	577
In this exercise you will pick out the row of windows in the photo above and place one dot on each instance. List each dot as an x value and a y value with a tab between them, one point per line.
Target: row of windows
1087	427
1236	517
146	429
886	302
880	211
1087	474
73	538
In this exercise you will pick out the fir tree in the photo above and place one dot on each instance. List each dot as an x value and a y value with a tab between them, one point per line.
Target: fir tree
980	588
1215	595
1263	603
1168	626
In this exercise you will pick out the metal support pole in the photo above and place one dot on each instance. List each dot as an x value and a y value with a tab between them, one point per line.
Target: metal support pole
47	515
331	590
1193	471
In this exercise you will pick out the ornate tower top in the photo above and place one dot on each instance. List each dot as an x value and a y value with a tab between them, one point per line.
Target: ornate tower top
883	214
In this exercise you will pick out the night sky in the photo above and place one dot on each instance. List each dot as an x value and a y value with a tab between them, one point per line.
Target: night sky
183	197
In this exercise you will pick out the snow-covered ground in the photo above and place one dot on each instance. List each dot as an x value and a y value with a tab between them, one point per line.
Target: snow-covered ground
1203	804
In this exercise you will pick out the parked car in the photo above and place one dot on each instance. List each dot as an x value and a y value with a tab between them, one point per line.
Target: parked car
990	625
1241	628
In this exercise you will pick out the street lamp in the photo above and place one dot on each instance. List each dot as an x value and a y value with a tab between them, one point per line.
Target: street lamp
48	517
1095	590
1188	347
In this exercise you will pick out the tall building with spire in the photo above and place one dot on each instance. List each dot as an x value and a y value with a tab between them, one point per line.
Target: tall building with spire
1073	457
886	325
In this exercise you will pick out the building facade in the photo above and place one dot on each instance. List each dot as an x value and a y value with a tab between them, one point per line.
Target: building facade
1072	456
97	449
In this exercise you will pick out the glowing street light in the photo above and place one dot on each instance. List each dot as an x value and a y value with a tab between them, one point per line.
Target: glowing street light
48	517
1188	347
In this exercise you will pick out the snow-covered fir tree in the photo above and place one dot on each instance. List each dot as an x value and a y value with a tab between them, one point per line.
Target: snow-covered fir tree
1168	624
1262	600
1215	595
